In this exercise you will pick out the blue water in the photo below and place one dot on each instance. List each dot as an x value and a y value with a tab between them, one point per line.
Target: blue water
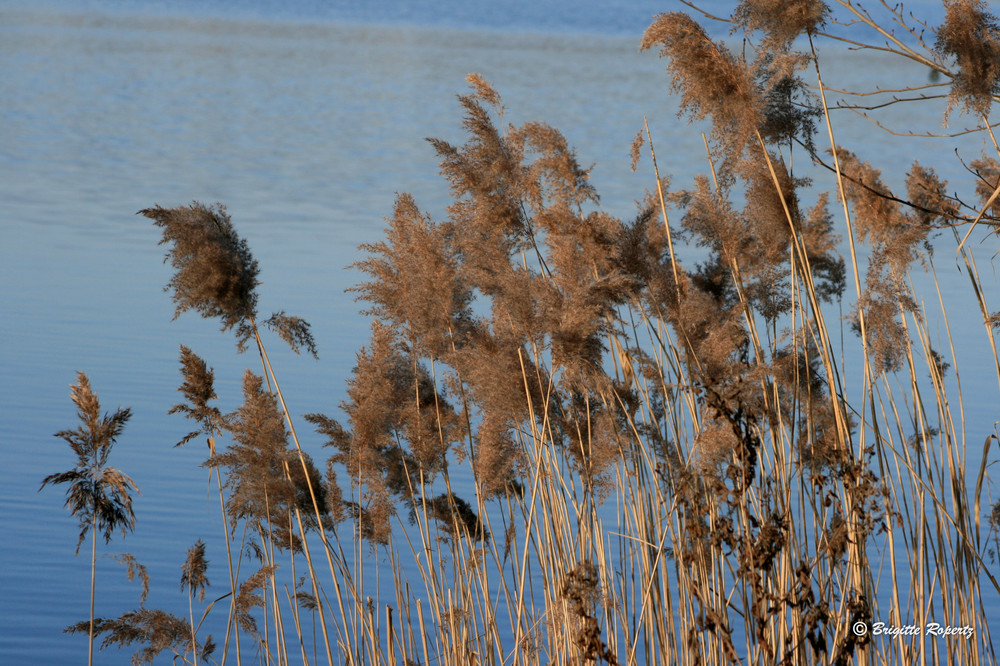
620	18
561	17
305	119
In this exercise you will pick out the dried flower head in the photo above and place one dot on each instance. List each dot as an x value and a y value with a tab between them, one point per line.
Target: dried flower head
401	430
790	111
836	537
457	517
484	90
816	231
971	35
250	597
781	20
988	180
896	238
199	390
295	331
216	275
714	447
495	369
486	179
155	629
635	150
135	569
994	517
928	197
266	480
770	540
193	570
712	81
98	495
415	283
581	587
876	211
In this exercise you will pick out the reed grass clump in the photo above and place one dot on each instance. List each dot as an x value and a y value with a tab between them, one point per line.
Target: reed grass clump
574	438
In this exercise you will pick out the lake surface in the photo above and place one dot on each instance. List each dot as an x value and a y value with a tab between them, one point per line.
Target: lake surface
305	120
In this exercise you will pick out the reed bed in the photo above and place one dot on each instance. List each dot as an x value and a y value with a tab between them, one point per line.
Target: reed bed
575	439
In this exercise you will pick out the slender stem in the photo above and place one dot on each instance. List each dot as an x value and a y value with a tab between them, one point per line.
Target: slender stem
232	625
93	587
194	641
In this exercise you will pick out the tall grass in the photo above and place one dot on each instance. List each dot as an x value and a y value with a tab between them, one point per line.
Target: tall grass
99	495
577	439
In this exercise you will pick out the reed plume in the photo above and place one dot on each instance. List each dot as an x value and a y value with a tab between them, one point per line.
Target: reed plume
195	581
264	479
216	274
970	36
712	82
781	22
100	496
157	630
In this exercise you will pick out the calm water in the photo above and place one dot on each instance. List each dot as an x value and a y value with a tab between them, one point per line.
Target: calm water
305	121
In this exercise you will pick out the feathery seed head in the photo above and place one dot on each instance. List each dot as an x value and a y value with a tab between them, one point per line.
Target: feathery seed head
98	495
216	275
193	570
971	35
781	20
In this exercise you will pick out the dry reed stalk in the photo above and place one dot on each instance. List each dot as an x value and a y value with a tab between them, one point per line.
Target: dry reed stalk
100	496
